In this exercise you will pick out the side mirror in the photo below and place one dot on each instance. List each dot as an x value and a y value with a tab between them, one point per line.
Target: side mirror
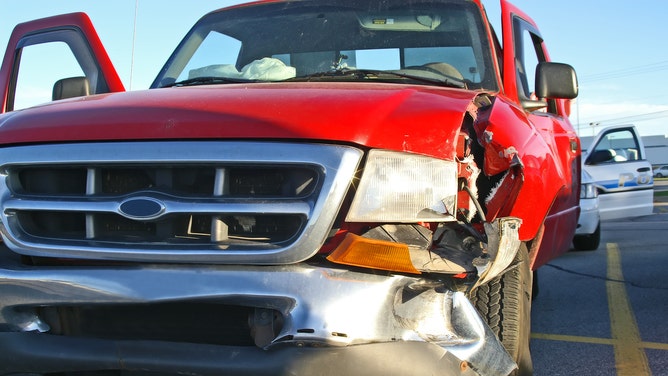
556	80
71	87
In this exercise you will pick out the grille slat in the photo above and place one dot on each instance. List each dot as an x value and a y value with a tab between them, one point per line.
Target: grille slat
217	202
91	190
174	206
219	229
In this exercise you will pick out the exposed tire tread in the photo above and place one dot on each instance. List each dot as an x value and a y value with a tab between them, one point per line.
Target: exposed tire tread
505	304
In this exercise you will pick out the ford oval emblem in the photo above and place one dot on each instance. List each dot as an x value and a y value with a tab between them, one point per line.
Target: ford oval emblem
144	208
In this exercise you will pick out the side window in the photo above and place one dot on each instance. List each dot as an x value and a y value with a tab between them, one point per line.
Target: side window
36	79
615	147
55	58
526	66
528	53
53	65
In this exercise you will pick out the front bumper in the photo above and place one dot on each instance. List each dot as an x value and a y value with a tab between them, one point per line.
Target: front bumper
333	320
589	217
37	353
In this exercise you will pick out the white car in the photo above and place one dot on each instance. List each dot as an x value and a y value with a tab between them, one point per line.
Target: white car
661	172
622	175
588	233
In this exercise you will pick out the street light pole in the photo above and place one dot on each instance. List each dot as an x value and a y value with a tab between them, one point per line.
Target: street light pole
593	128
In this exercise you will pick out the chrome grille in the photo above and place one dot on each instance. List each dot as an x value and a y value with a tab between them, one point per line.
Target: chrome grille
214	202
187	180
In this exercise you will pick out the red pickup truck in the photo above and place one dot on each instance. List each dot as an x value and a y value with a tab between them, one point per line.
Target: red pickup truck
308	187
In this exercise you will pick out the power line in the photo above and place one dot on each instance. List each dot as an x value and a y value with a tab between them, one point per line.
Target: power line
624	72
631	118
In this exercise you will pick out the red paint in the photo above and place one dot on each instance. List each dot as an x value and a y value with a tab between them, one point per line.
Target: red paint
420	119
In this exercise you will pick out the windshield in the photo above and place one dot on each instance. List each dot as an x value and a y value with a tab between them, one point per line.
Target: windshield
432	42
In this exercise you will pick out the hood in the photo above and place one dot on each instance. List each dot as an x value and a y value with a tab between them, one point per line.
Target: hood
419	119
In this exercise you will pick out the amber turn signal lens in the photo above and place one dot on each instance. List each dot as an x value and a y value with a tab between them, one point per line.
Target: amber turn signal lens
355	250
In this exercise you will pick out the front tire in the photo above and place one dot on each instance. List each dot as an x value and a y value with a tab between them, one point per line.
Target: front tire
588	242
505	304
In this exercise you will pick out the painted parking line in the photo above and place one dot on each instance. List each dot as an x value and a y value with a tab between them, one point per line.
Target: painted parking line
629	349
596	341
630	357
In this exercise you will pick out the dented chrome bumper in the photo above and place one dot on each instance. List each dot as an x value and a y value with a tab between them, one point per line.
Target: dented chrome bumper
333	315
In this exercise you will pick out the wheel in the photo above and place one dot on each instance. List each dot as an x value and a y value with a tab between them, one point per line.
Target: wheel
659	175
588	242
505	304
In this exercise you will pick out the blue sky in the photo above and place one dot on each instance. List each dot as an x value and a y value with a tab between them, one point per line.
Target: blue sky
617	48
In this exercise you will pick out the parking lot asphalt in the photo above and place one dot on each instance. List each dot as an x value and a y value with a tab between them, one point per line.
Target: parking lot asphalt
603	312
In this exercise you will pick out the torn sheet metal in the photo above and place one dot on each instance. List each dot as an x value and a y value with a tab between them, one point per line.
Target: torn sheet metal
320	307
503	244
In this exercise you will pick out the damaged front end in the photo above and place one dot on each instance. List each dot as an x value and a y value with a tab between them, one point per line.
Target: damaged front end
397	303
154	318
304	318
389	292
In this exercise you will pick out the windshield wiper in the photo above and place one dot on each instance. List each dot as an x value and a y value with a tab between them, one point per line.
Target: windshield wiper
208	80
383	75
429	77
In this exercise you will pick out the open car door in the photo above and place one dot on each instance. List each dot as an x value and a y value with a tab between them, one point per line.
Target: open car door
544	89
617	163
54	58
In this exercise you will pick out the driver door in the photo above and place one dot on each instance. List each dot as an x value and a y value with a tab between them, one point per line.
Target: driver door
54	58
617	163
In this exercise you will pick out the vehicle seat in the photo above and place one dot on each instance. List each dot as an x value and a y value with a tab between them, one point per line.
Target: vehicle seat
602	156
445	69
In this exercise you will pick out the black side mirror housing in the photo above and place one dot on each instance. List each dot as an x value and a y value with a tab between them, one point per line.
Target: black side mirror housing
556	81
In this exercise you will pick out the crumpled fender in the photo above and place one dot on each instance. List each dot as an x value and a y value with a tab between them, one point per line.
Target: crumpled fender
511	142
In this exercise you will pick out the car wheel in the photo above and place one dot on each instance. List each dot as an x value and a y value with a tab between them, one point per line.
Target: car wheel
505	304
659	175
588	242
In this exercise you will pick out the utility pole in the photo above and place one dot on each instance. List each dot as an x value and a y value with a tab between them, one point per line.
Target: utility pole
134	38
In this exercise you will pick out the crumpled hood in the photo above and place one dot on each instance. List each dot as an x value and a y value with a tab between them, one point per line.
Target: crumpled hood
420	119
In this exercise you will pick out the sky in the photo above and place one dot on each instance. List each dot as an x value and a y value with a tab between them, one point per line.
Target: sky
618	49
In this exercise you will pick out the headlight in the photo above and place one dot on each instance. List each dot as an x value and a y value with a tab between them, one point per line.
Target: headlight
588	191
402	187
